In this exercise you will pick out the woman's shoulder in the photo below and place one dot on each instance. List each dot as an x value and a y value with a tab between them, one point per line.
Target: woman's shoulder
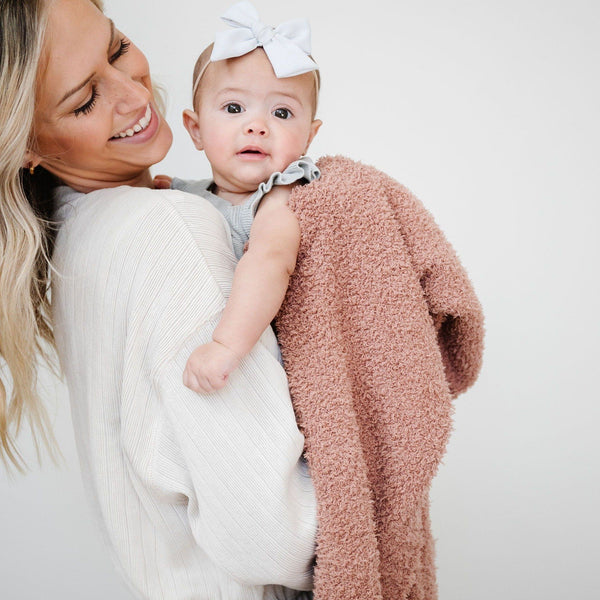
124	205
133	223
127	210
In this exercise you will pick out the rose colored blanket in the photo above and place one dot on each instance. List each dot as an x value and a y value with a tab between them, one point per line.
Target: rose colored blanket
379	330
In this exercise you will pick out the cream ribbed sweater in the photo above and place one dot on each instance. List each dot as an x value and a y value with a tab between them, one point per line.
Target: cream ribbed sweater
202	498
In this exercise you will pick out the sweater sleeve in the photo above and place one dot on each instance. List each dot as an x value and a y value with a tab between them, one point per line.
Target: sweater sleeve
250	501
228	464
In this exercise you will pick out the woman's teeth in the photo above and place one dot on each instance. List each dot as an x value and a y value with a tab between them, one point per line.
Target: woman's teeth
139	126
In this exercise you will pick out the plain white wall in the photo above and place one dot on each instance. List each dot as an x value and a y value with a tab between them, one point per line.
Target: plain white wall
489	111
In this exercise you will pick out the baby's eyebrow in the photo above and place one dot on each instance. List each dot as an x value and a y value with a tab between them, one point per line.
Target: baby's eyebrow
239	90
232	90
289	95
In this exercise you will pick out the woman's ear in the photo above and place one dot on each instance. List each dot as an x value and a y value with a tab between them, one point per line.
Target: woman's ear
314	127
190	122
31	160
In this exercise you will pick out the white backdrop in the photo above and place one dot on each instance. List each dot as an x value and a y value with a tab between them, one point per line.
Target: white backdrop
489	111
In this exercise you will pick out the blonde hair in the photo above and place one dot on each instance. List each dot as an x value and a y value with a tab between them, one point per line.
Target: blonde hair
204	60
26	234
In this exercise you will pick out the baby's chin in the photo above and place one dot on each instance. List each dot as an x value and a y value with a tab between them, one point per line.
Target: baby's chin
247	187
250	175
246	183
251	185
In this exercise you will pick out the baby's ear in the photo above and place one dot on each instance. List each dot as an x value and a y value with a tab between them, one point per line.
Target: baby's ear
190	122
314	127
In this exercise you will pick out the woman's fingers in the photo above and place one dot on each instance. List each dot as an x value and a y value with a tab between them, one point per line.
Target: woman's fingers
162	182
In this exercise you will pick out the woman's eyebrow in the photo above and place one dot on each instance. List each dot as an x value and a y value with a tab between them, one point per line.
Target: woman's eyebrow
88	79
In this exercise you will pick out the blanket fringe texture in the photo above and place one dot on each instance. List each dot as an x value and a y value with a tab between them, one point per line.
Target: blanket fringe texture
379	331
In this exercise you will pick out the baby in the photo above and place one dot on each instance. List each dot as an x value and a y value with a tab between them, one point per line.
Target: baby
255	97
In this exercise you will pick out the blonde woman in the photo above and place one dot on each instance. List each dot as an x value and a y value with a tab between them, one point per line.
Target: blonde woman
199	498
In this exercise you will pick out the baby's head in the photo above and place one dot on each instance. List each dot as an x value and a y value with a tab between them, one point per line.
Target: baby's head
249	122
199	81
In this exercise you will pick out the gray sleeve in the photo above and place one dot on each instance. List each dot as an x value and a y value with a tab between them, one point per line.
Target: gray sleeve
303	170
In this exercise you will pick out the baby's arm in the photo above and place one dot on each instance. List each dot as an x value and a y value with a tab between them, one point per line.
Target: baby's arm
259	286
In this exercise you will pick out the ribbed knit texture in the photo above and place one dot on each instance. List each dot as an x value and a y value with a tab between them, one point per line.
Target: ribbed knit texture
380	328
199	497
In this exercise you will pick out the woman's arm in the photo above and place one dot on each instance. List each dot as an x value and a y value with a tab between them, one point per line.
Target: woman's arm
215	486
251	506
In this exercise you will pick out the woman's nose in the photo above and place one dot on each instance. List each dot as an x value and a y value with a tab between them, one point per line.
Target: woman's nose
129	93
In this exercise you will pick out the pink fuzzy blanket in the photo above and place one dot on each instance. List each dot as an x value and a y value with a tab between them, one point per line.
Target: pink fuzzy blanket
380	329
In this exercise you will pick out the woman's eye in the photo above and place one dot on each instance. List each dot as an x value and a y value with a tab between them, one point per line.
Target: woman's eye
282	113
123	48
87	107
233	108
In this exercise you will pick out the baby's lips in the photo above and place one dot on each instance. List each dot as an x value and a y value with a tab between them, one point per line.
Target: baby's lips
251	150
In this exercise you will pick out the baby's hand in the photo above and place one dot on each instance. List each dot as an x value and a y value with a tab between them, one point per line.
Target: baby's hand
208	367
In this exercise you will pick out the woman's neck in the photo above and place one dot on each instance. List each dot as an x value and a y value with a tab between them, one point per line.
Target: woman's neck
85	185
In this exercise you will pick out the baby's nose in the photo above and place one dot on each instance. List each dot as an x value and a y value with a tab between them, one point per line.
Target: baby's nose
257	128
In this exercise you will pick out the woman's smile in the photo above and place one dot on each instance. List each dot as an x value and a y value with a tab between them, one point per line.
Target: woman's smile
139	126
142	130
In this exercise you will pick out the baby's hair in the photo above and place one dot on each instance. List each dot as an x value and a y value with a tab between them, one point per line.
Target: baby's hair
203	62
199	68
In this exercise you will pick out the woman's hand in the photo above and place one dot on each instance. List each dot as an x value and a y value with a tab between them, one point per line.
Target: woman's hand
162	182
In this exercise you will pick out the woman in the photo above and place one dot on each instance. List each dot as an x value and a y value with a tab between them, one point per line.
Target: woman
198	497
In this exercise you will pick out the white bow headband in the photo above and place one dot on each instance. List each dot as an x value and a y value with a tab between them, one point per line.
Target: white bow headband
287	46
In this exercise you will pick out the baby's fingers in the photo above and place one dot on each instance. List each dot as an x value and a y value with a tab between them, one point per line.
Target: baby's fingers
217	381
194	383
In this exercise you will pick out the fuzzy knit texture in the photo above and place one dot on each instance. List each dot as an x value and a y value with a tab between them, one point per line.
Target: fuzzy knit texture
379	330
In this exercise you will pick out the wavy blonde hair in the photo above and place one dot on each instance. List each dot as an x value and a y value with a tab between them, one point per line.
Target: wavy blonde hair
26	234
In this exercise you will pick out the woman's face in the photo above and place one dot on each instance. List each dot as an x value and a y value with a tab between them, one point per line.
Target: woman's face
96	123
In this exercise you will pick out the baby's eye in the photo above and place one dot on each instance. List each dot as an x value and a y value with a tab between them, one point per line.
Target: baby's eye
233	108
282	113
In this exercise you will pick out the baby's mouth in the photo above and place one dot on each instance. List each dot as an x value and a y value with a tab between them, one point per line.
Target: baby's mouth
252	151
139	126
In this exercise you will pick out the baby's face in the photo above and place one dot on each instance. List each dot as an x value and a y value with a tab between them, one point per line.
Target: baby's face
250	123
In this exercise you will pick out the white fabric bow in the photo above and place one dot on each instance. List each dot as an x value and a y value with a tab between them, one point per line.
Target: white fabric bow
287	46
